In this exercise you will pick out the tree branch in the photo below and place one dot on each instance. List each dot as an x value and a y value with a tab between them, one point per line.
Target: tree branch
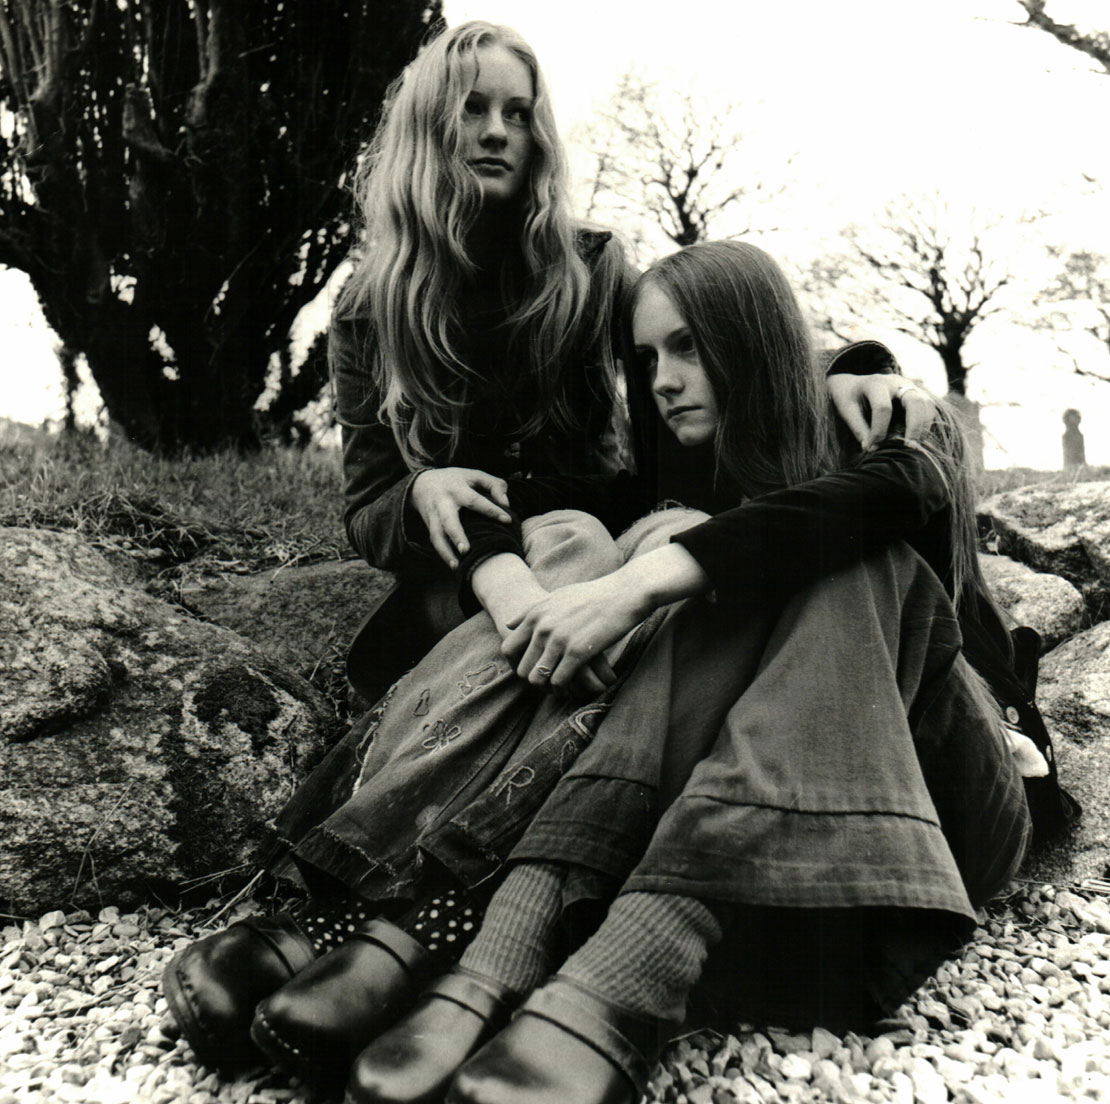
1095	46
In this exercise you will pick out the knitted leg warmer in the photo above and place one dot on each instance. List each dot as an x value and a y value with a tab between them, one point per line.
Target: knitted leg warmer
515	944
648	953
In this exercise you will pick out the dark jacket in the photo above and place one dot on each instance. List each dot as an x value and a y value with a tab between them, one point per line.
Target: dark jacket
380	523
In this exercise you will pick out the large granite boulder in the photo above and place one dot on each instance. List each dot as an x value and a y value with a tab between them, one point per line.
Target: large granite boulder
1044	602
302	616
139	747
1059	528
1074	695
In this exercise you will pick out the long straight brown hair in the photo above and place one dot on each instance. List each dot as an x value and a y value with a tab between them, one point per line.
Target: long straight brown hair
777	426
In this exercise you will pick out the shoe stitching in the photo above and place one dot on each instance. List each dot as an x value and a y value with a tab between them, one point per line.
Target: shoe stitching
289	1047
189	992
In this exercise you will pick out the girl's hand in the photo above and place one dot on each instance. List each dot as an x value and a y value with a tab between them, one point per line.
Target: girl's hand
438	494
560	641
853	395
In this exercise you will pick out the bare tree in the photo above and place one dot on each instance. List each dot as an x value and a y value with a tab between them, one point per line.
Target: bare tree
919	271
1095	44
171	182
1080	291
676	161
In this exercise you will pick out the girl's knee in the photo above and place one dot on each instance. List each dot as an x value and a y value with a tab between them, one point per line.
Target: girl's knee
656	529
570	543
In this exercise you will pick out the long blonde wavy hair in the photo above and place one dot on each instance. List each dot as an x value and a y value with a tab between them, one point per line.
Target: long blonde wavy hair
419	201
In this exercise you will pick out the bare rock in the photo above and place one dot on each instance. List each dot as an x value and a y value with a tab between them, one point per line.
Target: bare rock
1074	695
301	616
15	434
1062	529
139	747
1044	602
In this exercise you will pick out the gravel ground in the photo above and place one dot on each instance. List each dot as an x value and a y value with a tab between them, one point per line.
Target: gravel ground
1023	1016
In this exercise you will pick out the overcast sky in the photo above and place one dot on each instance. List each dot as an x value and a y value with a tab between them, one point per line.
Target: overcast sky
877	99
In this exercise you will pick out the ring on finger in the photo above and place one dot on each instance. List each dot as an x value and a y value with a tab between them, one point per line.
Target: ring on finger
544	672
904	390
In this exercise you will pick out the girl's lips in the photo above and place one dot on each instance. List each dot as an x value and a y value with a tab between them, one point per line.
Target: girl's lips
491	163
678	411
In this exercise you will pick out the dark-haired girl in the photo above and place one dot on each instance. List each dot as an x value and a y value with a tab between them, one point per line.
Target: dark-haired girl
800	794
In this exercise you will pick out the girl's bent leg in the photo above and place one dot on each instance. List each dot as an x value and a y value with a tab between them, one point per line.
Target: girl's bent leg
850	774
441	733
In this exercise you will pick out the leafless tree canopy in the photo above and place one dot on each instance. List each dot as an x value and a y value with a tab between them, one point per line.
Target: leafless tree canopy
1095	44
669	159
1081	289
913	270
170	180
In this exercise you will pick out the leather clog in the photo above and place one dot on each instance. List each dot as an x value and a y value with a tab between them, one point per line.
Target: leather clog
415	1060
316	1025
213	986
564	1044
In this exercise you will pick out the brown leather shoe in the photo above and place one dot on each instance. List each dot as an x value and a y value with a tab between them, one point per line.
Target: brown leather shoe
316	1025
414	1061
213	985
565	1044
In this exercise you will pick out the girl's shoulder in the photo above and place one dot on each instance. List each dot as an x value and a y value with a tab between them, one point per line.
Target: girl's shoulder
590	242
860	358
596	244
606	257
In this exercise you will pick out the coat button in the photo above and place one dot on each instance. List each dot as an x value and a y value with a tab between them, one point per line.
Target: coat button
1012	715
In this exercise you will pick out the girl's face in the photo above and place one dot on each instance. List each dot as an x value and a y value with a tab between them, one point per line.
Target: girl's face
497	124
683	394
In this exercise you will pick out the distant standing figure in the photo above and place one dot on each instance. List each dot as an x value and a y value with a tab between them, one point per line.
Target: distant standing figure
1075	452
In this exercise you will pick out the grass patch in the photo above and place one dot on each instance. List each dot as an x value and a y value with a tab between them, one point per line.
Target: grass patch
1012	479
223	512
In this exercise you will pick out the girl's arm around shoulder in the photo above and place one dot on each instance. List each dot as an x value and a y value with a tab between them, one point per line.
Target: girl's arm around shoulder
775	544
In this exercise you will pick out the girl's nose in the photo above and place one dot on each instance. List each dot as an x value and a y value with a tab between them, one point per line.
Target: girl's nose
666	381
494	128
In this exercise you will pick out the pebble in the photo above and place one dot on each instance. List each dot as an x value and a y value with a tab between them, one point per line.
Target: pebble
796	1068
1022	1016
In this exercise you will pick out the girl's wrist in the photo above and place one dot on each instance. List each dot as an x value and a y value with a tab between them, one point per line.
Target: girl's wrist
663	576
503	584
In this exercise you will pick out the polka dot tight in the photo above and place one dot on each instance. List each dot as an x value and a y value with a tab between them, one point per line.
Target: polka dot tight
329	922
444	924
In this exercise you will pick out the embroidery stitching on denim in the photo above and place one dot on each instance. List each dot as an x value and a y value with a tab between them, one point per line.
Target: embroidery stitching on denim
368	735
507	783
587	720
442	735
467	687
